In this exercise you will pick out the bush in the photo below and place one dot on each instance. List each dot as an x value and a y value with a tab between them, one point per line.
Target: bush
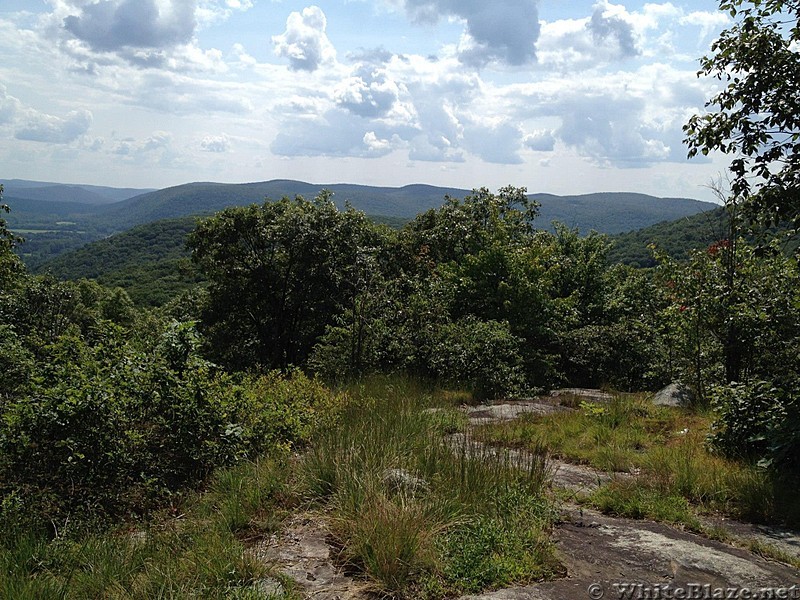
482	355
745	412
758	421
107	429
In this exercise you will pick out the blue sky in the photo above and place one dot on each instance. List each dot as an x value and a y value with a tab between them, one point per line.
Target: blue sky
560	97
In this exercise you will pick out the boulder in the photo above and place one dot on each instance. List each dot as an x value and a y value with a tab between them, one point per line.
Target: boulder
675	394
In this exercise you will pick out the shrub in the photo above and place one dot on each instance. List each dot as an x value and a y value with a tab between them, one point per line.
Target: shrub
107	429
482	355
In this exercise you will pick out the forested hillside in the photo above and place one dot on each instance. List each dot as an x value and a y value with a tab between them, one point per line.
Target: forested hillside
233	398
71	216
676	238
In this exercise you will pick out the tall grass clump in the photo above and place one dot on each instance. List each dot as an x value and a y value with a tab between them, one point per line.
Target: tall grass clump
201	553
684	473
612	436
421	512
676	472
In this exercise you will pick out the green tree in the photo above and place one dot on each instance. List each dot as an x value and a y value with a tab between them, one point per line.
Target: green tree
459	228
10	265
756	115
279	273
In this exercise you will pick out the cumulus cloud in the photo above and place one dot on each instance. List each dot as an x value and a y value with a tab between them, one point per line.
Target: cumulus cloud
40	127
610	26
369	92
541	140
9	106
610	129
432	149
380	147
336	133
154	150
219	143
212	11
505	30
110	25
707	21
494	143
609	34
305	43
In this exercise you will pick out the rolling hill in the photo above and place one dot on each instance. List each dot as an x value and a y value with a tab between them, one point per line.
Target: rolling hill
65	217
604	212
676	238
61	192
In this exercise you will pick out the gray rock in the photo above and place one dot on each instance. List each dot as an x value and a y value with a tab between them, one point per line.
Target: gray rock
675	394
269	588
400	480
589	395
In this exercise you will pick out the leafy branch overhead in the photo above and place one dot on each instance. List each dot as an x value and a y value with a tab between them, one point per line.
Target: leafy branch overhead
755	117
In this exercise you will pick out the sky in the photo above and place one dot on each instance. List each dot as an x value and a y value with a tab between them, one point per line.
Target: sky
563	97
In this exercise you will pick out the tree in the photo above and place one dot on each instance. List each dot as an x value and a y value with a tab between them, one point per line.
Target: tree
279	273
10	265
460	228
756	115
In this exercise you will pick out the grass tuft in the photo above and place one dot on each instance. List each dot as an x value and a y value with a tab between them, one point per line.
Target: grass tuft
449	528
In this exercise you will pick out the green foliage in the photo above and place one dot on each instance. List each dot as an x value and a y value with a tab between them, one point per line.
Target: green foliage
460	228
198	555
103	412
151	262
500	548
278	275
9	263
418	516
675	238
481	355
756	114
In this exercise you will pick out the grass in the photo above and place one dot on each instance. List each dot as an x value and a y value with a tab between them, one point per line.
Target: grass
613	436
198	554
676	479
418	515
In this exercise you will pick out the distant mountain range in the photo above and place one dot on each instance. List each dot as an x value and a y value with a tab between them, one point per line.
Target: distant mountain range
62	192
57	217
136	238
605	212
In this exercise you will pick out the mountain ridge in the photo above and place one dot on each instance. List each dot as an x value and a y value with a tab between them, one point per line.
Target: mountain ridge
608	212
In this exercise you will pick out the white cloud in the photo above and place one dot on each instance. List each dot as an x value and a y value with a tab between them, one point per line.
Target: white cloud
541	140
305	42
498	143
380	147
9	106
336	133
40	127
216	143
708	22
609	25
209	12
110	25
370	92
504	30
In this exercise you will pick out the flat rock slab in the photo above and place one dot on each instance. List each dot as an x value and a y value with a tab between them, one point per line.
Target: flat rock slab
784	540
609	552
579	478
508	411
302	552
587	394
